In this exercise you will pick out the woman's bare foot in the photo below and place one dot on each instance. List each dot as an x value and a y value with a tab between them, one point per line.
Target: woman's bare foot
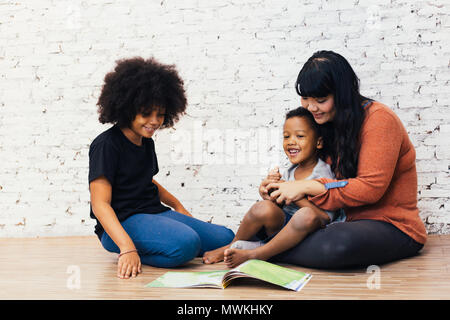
214	256
234	257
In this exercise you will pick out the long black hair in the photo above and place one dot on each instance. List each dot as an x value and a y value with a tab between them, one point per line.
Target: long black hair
325	73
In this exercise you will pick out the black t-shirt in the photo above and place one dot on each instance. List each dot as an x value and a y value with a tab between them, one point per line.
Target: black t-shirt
129	169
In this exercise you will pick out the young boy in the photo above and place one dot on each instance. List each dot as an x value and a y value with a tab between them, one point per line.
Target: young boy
284	226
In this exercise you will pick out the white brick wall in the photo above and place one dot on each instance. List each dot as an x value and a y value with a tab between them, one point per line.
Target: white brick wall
239	60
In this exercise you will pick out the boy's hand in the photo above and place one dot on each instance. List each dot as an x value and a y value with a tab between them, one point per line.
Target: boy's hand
273	176
263	192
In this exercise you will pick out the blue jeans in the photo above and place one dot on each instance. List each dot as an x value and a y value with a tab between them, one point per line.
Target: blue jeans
169	239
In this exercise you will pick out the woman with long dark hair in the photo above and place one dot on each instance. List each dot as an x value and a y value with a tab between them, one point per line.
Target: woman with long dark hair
373	160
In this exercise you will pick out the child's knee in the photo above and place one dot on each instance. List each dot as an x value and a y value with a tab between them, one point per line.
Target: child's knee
263	209
305	218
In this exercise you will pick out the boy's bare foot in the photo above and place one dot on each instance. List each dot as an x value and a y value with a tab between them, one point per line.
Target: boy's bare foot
214	256
234	257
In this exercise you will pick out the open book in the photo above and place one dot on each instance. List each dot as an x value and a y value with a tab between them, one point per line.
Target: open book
256	269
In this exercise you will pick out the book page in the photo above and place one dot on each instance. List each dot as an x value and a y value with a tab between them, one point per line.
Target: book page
189	279
272	273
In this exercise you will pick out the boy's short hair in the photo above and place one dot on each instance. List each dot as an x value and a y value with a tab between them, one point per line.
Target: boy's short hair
137	85
322	131
304	113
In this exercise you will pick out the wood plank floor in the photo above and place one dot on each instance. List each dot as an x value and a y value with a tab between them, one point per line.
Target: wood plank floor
46	268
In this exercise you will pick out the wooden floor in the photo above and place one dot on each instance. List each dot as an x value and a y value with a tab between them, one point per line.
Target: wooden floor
47	268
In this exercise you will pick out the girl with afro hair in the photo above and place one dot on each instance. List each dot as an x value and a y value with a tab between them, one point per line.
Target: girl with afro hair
136	216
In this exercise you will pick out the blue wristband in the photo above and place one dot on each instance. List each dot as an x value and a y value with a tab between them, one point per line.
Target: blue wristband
337	184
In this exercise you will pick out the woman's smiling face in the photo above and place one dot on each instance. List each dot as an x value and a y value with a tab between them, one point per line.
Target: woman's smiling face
322	109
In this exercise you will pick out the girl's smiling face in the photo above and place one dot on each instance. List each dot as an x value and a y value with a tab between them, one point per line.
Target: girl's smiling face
322	109
144	125
300	141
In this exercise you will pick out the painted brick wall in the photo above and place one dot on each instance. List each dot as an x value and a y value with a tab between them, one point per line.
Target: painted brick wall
239	60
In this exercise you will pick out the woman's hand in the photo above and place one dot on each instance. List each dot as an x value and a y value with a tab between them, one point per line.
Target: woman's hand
129	264
286	192
264	191
291	191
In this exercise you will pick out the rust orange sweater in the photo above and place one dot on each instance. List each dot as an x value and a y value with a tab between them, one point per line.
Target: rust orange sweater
385	187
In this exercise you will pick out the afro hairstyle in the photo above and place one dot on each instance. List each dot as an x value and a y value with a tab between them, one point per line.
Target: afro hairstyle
138	85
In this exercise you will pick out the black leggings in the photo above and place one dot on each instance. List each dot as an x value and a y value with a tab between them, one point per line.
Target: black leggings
351	244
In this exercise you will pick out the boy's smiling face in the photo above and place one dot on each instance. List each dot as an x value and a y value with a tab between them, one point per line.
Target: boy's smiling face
144	125
300	141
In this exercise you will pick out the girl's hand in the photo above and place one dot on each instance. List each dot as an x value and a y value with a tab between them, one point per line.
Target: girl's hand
129	264
286	192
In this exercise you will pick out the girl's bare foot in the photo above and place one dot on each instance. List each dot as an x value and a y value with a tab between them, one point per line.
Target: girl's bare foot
214	256
234	257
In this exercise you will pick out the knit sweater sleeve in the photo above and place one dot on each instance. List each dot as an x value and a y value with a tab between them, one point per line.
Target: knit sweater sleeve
381	139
